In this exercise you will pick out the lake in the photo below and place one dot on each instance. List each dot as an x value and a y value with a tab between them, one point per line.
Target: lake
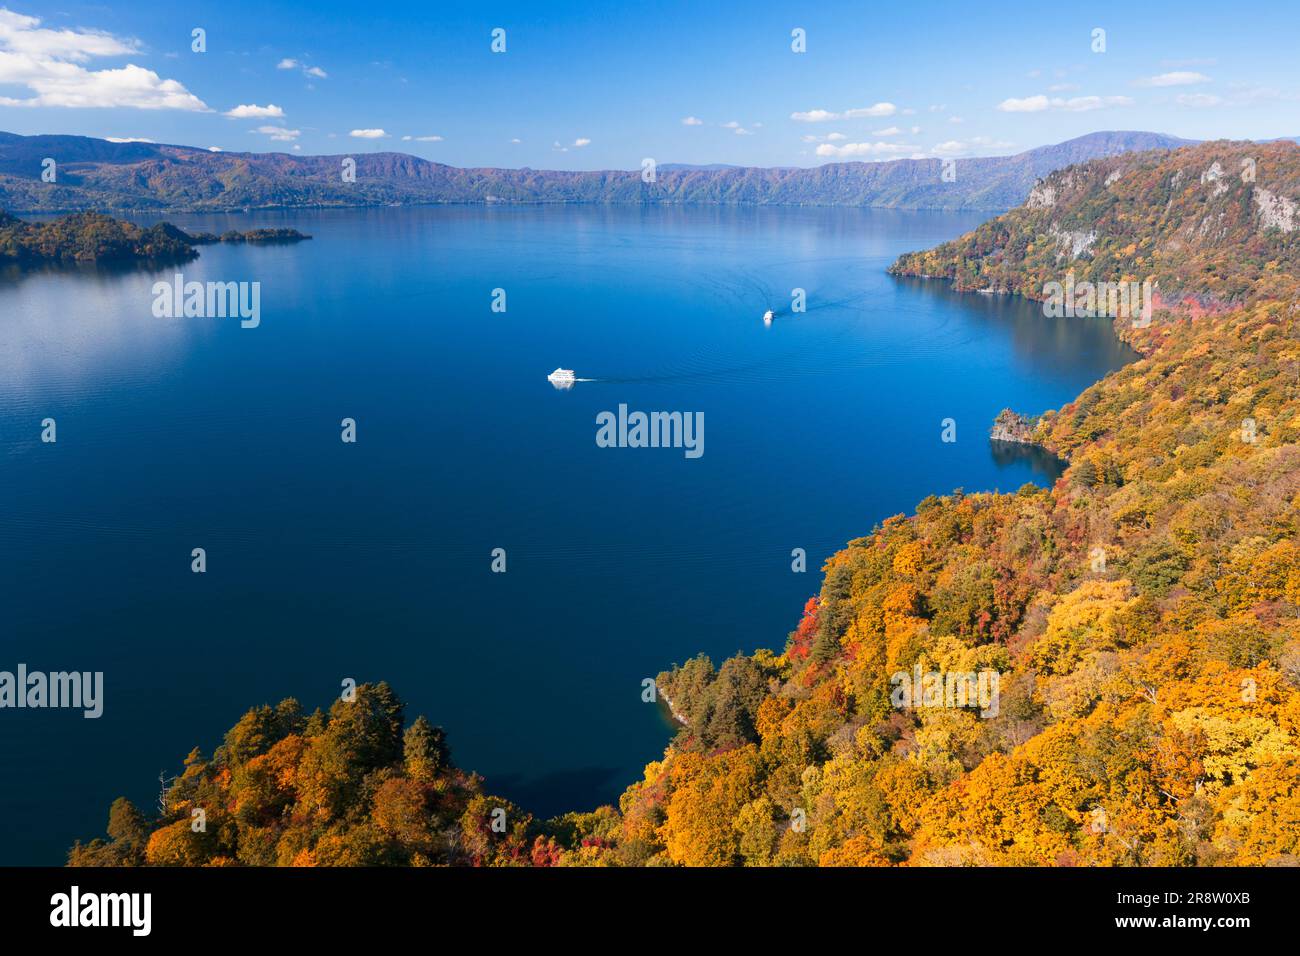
373	560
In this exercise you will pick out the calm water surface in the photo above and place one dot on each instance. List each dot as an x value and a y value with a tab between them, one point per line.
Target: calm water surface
372	561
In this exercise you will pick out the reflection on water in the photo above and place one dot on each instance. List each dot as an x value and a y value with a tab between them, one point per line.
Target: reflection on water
551	794
98	278
14	272
1045	466
63	325
1050	347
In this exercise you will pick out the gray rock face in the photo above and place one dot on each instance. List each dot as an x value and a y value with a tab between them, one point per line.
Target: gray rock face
1011	426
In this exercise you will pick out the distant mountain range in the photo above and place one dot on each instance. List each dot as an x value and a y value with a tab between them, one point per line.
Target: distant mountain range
101	175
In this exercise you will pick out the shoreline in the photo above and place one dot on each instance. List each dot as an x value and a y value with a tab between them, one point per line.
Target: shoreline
435	203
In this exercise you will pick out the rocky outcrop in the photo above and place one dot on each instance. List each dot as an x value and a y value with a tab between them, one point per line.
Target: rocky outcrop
1275	211
1011	426
1214	175
1073	243
672	708
1042	196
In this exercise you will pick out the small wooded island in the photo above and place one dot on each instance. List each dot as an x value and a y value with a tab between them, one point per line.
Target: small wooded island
94	237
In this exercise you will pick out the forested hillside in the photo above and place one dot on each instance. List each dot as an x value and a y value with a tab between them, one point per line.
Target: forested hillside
89	237
1140	616
93	237
350	787
1213	224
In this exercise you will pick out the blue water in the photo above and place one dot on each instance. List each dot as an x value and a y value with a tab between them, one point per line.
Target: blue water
373	560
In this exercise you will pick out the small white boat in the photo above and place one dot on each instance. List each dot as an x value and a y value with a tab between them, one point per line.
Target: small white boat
768	316
562	378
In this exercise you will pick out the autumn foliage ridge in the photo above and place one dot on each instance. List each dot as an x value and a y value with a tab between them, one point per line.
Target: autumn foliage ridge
1141	614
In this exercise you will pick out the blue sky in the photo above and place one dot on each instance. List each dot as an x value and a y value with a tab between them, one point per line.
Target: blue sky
580	87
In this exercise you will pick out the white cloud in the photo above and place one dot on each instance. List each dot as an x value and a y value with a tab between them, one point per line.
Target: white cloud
279	133
1063	87
516	140
289	63
692	121
1200	100
850	150
880	109
822	116
48	63
1077	104
424	139
582	141
836	137
1177	78
956	147
367	134
127	139
25	35
214	149
252	111
1239	96
951	148
1083	104
887	131
1028	104
741	131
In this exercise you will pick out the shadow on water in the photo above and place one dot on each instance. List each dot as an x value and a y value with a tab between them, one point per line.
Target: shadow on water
14	273
1041	462
551	794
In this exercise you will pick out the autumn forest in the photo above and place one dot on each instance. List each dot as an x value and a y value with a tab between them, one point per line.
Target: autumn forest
1141	616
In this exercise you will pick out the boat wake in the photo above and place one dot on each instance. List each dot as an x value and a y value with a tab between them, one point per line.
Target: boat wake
842	340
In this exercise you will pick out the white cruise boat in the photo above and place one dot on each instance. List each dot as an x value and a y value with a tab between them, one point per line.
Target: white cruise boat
768	316
562	378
